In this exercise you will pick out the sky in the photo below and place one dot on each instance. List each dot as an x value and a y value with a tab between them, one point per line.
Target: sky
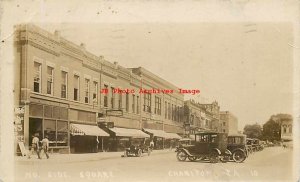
246	67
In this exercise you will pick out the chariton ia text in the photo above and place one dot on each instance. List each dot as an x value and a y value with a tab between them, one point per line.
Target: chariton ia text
151	91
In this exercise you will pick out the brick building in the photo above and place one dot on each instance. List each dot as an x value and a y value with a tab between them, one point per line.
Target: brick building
57	88
228	122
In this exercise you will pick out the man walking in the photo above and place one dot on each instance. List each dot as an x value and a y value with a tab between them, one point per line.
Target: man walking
45	145
35	146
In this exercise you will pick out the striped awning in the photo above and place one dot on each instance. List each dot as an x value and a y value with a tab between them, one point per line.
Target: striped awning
126	132
162	134
90	130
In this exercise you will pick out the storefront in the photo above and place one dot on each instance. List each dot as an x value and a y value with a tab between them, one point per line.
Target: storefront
162	139
86	138
51	121
120	138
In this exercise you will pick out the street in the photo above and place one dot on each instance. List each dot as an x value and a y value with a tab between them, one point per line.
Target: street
270	164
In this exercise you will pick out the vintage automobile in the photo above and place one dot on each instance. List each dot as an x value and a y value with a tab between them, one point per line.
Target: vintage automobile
137	146
237	146
208	145
249	146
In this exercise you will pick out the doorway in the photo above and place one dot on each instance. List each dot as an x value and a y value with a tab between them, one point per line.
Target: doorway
35	128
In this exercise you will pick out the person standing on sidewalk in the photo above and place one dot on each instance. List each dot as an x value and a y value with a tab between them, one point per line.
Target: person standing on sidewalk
35	146
45	145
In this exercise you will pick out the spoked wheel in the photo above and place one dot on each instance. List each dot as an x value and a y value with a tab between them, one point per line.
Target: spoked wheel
214	157
139	153
181	156
192	158
239	156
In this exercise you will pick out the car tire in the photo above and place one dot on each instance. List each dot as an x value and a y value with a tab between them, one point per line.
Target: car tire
239	156
181	155
192	158
214	157
139	153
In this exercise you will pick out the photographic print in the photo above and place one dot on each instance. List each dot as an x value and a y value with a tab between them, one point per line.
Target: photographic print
149	91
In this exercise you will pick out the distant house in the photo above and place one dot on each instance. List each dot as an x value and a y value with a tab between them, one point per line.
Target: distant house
287	131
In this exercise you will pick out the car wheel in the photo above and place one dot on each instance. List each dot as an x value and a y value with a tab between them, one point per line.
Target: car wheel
149	151
181	156
192	158
239	156
214	157
139	153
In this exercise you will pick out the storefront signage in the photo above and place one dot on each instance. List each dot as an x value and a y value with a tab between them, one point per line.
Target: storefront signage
19	124
114	113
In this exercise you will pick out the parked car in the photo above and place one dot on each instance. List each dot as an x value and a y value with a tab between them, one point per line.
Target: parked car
237	146
137	146
208	145
249	146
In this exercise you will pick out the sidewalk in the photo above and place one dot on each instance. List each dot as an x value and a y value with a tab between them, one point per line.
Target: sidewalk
74	158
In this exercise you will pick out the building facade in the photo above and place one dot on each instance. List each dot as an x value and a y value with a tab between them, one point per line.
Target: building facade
60	85
201	116
228	122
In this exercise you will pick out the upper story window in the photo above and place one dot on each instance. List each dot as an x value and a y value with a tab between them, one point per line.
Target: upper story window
137	104
95	93
133	103
64	84
112	98
120	101
147	102
76	87
166	110
105	102
50	80
37	77
86	90
127	102
157	108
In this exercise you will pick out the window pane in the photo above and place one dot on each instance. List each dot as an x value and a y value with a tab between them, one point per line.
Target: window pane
50	131
36	110
62	133
48	111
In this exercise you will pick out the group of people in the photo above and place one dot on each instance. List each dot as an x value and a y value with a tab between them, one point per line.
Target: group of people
36	147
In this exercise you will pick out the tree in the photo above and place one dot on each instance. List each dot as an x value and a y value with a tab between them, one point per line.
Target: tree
253	131
272	128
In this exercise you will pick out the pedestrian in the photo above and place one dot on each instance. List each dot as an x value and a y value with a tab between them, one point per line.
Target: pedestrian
151	145
45	146
35	146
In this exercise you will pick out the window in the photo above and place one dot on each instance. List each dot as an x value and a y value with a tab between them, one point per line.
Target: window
120	100
137	104
147	102
76	87
169	110
86	90
284	129
166	110
64	83
127	102
157	109
105	97
223	131
133	103
95	93
49	80
224	123
62	133
112	100
37	77
50	131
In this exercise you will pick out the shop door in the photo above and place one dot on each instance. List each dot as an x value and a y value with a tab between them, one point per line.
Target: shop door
35	127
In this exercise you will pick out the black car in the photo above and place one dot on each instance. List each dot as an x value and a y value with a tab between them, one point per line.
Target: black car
237	146
137	146
208	145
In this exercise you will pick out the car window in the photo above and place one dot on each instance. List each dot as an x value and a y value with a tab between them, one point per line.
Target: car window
202	138
213	138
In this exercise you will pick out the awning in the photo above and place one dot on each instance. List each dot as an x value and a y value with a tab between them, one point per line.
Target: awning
157	133
125	132
163	134
90	130
173	136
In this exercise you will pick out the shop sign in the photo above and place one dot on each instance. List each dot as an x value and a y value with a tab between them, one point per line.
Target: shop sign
19	124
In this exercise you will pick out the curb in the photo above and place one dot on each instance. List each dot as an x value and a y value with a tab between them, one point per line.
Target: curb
98	158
